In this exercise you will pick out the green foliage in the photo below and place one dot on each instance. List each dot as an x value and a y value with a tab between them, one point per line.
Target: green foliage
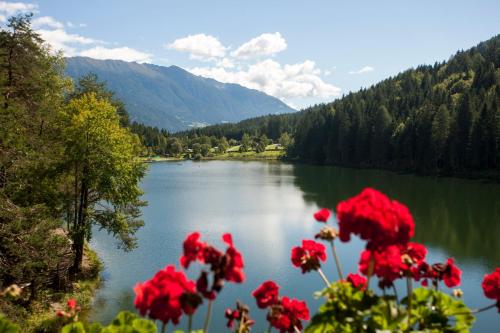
348	309
435	310
101	159
125	322
8	327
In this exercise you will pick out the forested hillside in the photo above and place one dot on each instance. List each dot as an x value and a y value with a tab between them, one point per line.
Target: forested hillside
444	117
441	118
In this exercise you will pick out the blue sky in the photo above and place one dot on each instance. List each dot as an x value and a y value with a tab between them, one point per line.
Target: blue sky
302	52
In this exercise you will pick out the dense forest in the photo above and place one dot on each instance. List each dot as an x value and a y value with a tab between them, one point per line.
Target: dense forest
68	161
442	118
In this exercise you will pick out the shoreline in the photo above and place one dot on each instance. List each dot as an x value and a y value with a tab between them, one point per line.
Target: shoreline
484	176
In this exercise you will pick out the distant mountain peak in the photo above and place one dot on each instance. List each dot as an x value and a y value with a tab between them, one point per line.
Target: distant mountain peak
172	97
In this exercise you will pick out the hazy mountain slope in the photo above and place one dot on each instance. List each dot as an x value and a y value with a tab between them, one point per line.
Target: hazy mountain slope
174	99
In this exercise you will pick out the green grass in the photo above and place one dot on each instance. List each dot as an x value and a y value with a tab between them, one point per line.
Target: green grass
249	155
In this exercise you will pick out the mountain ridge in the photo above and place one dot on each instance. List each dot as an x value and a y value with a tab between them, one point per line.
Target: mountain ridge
173	98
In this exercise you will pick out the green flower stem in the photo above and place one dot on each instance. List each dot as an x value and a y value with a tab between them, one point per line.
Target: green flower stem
474	311
409	288
296	329
485	308
337	261
207	318
163	328
395	293
242	321
323	277
269	328
190	323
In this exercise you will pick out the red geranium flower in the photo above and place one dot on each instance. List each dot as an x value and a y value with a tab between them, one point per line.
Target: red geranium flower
357	281
231	316
162	297
193	249
234	261
309	255
322	215
288	314
491	285
451	274
388	264
266	294
375	218
416	252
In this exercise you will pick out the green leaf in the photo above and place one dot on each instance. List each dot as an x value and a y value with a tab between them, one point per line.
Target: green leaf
74	328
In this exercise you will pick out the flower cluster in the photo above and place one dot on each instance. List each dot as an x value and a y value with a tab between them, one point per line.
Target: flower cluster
491	286
375	218
166	296
241	315
308	256
357	281
388	227
447	272
285	314
226	266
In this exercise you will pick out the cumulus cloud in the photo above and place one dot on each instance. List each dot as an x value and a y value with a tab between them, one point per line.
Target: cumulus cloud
59	39
200	46
12	8
285	82
46	21
263	45
118	53
225	63
363	70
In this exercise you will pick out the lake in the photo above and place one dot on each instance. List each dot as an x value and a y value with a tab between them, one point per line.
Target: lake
268	208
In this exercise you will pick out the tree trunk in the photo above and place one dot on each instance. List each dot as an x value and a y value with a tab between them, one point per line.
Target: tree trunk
78	242
79	229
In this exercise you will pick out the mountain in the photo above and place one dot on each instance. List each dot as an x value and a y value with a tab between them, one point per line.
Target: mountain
172	98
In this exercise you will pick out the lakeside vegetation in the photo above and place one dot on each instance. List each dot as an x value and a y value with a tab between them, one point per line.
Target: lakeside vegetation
68	161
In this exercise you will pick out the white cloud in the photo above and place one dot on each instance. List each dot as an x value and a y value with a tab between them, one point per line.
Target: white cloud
3	18
363	70
118	53
46	21
82	25
263	45
285	82
200	46
59	39
225	63
11	8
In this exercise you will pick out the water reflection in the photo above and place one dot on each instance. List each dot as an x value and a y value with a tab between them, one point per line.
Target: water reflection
460	216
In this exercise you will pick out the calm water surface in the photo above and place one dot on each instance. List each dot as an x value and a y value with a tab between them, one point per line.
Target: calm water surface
268	208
